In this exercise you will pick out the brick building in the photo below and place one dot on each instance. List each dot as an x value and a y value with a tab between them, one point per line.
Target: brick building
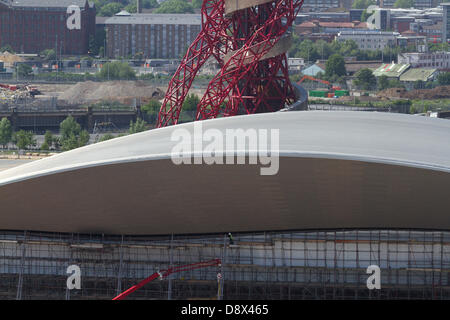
164	36
31	26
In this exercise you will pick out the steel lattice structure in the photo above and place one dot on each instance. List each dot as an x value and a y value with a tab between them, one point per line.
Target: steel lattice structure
249	40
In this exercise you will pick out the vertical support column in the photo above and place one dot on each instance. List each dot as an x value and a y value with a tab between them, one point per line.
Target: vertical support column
224	261
379	258
70	262
335	267
119	273
409	266
169	288
14	119
358	267
388	264
22	268
432	267
441	267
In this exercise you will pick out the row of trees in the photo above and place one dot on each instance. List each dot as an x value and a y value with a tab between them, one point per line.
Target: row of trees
22	139
320	49
364	4
151	109
110	71
71	135
106	8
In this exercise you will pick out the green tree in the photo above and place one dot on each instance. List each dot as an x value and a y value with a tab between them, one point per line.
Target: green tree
444	78
419	84
323	49
191	102
405	4
24	70
151	109
365	15
307	51
175	6
5	132
110	9
72	136
335	66
44	146
383	82
48	140
106	137
8	48
97	41
197	4
362	4
433	47
365	79
138	126
148	4
347	48
395	83
23	139
48	54
117	70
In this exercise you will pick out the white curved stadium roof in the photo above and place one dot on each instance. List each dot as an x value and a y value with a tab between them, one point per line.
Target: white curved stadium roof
336	170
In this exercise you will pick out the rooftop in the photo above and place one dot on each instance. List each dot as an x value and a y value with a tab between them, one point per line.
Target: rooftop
329	165
369	32
48	3
392	70
354	66
147	18
415	74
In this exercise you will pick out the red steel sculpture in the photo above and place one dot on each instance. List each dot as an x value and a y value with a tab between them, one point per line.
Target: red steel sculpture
249	40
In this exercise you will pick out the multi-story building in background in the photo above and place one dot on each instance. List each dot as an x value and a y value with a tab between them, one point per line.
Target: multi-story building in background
437	60
419	4
355	14
165	36
432	32
446	21
424	4
383	19
320	5
31	26
369	39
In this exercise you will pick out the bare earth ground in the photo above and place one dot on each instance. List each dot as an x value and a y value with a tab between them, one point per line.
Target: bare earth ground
121	91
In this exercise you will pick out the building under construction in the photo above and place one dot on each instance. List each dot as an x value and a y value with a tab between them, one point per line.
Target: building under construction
269	265
280	205
122	210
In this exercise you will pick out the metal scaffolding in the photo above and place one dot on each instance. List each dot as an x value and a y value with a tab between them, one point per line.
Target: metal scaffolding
269	265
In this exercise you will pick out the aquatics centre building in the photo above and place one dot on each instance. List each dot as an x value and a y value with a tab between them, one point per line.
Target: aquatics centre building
350	190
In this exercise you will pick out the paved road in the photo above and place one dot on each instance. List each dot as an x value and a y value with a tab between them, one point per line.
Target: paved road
7	163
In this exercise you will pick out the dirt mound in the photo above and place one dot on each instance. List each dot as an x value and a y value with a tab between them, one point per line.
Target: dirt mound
392	93
441	92
427	94
121	91
9	59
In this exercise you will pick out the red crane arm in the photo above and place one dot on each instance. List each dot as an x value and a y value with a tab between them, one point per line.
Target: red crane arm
165	273
313	79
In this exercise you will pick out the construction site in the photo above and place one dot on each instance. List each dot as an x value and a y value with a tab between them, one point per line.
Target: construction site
139	226
43	107
270	265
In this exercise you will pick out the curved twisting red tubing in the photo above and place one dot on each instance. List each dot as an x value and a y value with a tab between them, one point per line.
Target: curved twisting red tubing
247	82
